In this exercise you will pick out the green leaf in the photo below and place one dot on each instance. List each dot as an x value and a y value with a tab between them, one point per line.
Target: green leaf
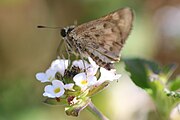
138	69
153	77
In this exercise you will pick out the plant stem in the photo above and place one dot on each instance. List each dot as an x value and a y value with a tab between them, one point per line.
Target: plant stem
91	107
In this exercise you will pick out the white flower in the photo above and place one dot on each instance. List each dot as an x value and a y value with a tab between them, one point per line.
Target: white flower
93	63
92	70
54	90
80	64
69	86
48	76
83	81
108	75
59	65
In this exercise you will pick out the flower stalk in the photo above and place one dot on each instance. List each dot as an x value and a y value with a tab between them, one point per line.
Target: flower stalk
92	108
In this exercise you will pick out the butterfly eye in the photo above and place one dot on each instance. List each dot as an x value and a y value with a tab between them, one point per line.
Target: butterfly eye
63	33
69	30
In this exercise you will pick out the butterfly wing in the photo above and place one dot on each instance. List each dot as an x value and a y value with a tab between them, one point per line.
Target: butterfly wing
105	37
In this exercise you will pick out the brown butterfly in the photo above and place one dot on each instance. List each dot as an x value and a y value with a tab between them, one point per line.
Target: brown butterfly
101	39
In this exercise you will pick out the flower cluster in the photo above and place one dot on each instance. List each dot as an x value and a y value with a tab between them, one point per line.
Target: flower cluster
74	80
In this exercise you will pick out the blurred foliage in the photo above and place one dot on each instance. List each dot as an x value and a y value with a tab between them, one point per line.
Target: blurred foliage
157	81
175	84
138	71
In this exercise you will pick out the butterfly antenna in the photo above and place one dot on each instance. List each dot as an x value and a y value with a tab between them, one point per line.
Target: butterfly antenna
42	26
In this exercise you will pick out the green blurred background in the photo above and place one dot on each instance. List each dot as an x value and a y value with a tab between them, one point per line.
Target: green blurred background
26	50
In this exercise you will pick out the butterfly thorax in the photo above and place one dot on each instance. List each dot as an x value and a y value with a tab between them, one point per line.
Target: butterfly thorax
73	44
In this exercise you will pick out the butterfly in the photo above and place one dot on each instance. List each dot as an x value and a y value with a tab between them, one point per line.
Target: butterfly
101	39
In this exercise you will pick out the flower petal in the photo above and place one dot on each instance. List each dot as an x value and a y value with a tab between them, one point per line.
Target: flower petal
40	76
93	63
59	65
49	91
57	83
108	75
91	80
92	70
50	74
69	86
80	64
54	90
79	77
81	80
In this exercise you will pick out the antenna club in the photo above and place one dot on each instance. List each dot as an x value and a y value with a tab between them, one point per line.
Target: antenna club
40	26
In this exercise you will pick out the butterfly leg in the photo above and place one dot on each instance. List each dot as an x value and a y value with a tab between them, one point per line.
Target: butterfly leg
59	49
69	56
82	58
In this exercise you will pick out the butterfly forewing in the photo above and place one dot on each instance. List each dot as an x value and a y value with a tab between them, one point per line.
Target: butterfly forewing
103	39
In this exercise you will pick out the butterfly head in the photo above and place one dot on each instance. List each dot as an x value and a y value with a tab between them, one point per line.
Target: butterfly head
65	31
